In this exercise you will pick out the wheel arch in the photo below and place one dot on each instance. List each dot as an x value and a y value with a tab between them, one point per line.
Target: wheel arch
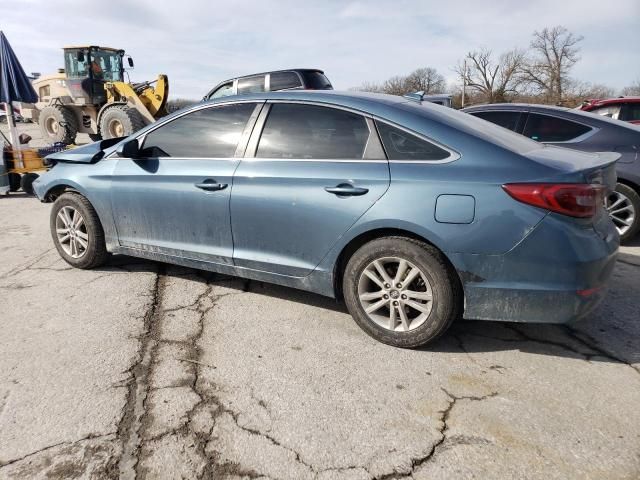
361	239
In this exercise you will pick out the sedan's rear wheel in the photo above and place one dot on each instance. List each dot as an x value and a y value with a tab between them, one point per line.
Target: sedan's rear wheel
77	232
401	291
623	206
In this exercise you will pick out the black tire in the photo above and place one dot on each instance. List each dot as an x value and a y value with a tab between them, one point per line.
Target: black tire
26	183
58	124
95	253
120	117
445	288
95	137
634	199
14	181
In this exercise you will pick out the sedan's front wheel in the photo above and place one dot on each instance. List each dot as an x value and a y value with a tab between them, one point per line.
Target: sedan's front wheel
77	232
401	291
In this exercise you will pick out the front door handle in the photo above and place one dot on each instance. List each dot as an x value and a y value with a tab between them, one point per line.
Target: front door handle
346	190
211	186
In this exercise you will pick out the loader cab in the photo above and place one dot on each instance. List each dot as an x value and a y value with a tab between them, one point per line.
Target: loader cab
88	68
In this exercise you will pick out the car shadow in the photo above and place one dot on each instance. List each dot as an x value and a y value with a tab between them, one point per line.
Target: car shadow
609	334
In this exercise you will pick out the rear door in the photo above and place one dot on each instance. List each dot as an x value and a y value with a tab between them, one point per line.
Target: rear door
312	172
175	201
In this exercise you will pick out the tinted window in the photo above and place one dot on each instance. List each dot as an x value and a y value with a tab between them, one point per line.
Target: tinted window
207	133
504	119
307	131
223	91
631	111
251	84
315	80
284	80
544	128
401	145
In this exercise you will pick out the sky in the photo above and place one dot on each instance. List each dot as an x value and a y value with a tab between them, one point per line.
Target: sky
199	43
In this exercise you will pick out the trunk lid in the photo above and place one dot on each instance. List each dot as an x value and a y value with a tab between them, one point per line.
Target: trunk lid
579	167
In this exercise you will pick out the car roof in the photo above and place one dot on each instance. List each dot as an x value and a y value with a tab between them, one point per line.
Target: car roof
277	71
600	102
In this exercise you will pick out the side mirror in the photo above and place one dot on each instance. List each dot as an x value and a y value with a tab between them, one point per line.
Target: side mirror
80	56
130	62
129	149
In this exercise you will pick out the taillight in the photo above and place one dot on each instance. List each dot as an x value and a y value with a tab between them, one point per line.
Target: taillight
574	199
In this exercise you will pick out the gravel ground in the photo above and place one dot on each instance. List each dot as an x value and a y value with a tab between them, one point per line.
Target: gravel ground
145	370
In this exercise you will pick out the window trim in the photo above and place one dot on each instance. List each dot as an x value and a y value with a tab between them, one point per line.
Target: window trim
241	143
453	155
259	126
592	130
252	147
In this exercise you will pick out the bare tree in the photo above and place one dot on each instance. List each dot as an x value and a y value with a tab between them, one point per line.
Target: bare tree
493	79
396	85
633	89
426	80
555	51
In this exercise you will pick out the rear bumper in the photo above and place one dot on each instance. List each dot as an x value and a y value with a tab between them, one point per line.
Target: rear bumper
557	274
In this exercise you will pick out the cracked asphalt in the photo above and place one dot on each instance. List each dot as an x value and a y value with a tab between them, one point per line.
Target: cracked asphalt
145	370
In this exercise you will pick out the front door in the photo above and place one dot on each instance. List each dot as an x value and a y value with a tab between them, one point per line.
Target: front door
316	171
176	199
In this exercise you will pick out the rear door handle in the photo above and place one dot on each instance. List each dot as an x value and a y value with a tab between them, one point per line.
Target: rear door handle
211	186
346	190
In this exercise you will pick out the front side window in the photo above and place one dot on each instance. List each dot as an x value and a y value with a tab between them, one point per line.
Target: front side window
251	84
504	119
207	133
544	128
73	67
400	145
284	81
309	131
223	91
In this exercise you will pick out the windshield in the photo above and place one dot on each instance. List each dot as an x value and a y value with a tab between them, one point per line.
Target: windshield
315	80
106	65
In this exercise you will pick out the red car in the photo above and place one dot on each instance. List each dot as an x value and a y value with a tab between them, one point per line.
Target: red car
622	108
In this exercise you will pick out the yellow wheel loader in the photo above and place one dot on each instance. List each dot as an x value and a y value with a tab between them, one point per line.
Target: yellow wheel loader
90	95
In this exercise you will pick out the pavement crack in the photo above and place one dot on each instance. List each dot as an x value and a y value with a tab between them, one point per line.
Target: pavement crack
91	436
138	389
441	442
591	343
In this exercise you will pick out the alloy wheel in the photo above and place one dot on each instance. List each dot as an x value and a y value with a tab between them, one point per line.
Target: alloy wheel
71	232
395	294
621	210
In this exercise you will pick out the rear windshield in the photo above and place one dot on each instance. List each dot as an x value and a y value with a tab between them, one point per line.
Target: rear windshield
315	80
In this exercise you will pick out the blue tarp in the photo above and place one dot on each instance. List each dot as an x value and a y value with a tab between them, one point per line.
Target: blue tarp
14	83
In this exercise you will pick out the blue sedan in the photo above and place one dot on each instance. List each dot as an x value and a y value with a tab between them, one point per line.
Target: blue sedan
414	213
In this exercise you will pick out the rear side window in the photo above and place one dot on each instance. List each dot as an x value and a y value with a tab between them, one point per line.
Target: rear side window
544	128
207	133
315	80
251	84
284	81
630	112
400	145
504	119
308	132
